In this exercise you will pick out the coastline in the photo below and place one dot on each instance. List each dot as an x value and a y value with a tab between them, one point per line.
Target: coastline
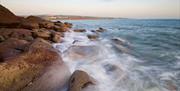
28	60
80	55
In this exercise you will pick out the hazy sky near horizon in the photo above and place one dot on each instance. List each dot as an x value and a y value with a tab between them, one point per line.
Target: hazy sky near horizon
104	8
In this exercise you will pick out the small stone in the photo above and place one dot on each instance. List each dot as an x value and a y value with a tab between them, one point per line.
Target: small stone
93	37
2	38
101	30
79	30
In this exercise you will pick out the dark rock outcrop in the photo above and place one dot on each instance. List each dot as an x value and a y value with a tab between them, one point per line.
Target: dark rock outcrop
101	30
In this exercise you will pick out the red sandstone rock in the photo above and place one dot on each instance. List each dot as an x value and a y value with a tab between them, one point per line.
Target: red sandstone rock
11	47
7	18
42	33
16	33
38	68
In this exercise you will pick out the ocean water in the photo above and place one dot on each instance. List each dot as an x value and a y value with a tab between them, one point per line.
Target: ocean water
132	55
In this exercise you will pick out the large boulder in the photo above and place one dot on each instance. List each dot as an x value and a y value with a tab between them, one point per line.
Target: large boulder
24	34
29	25
11	47
38	68
42	33
46	24
31	22
80	80
7	18
35	19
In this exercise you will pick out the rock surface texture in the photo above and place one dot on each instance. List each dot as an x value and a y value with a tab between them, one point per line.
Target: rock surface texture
28	62
36	64
80	80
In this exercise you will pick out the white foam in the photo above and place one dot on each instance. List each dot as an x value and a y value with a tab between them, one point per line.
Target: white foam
122	75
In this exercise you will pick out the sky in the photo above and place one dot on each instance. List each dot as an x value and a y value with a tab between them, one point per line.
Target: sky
102	8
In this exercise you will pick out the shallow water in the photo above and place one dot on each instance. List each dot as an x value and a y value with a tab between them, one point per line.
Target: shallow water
148	59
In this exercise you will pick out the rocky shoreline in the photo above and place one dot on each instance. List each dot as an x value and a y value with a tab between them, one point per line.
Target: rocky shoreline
28	61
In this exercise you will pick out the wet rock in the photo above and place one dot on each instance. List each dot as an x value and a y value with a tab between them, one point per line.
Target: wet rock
93	31
58	23
65	24
42	33
171	86
38	68
121	44
120	41
93	36
55	78
7	18
56	37
80	80
79	30
11	47
114	70
101	30
82	52
60	29
69	25
15	33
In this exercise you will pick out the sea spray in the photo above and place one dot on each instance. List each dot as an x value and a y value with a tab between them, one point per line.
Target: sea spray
142	68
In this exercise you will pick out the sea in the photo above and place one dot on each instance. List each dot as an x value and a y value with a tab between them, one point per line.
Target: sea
131	55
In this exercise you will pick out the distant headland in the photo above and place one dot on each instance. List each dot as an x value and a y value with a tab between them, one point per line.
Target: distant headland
73	17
